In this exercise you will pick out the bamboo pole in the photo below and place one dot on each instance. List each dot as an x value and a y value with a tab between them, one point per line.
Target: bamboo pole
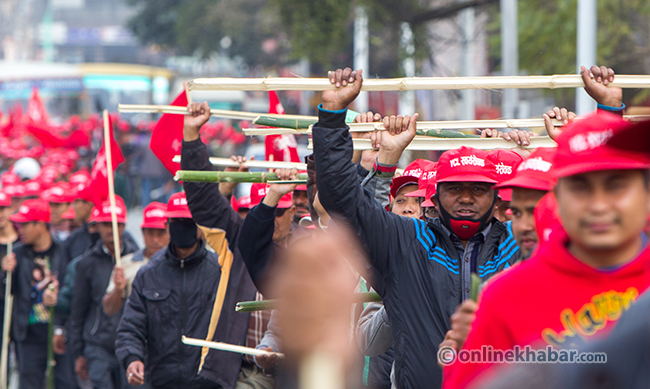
227	347
6	325
227	162
423	144
238	115
111	188
412	83
434	125
268	305
250	177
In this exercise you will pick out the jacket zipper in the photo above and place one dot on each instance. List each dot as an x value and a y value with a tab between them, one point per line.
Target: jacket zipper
182	322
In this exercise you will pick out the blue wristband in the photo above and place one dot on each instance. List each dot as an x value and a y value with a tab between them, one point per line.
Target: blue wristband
320	107
611	109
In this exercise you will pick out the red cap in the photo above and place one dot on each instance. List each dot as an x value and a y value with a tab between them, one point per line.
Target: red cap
80	177
5	200
103	213
154	216
244	202
411	175
32	211
32	188
465	164
634	138
505	165
60	193
427	177
583	147
69	214
177	207
535	172
233	203
259	191
547	217
9	178
17	190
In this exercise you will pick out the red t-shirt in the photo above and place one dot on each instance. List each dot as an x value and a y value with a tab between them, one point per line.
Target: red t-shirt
550	299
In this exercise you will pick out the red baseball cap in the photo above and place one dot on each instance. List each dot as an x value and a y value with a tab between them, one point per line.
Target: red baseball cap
80	177
59	193
17	190
33	188
430	192
411	176
5	200
32	211
584	147
259	191
177	207
465	164
535	172
244	202
103	213
634	138
154	216
505	165
9	178
428	177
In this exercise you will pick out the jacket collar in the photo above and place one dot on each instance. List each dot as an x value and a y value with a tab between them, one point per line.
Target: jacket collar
197	256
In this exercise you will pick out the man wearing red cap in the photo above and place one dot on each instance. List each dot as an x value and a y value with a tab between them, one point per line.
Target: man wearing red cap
425	266
92	331
505	165
156	238
59	198
176	288
35	266
597	257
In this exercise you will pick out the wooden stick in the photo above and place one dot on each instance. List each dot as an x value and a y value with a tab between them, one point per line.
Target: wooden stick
6	325
438	125
227	347
267	305
449	144
238	115
253	164
413	83
321	370
111	188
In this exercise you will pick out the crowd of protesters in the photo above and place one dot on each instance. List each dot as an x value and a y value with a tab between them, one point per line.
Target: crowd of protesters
554	238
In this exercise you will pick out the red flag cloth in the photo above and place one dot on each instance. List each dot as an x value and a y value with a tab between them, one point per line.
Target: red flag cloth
167	136
280	147
36	109
97	189
75	140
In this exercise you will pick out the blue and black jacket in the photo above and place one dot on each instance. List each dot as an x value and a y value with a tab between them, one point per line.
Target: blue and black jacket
422	279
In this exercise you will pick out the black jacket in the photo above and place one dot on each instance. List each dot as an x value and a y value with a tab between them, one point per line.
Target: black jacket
88	323
22	284
221	226
170	298
420	274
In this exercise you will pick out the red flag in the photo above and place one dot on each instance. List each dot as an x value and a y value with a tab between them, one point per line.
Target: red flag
44	134
167	136
97	189
36	109
280	147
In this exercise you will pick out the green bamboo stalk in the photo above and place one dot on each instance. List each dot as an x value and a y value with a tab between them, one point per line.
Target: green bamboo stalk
270	121
475	285
445	134
251	177
267	305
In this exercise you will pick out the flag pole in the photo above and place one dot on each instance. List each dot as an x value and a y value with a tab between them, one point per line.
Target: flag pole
9	301
111	188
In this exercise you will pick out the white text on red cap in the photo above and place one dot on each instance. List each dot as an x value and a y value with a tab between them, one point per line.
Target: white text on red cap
503	169
467	160
537	164
180	201
590	140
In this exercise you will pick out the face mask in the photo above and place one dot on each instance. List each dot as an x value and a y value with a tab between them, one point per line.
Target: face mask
182	234
463	227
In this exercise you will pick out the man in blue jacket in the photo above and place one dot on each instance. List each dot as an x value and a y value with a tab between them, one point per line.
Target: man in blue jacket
424	267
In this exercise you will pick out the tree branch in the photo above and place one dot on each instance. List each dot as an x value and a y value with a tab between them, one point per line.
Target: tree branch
447	10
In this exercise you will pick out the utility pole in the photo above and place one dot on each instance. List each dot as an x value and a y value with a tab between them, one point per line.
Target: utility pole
587	30
509	56
361	53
